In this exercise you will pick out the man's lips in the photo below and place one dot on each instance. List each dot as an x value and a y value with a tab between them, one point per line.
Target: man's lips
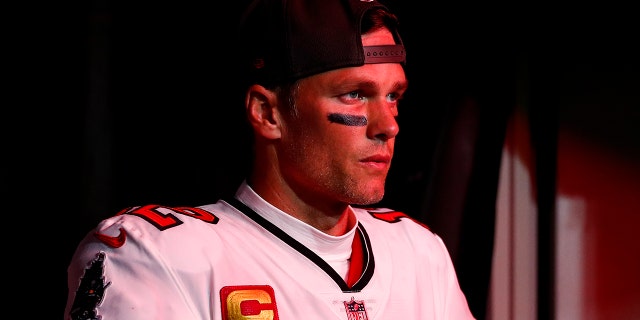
379	160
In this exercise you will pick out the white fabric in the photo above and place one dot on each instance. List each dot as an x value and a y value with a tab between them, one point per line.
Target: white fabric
335	250
177	268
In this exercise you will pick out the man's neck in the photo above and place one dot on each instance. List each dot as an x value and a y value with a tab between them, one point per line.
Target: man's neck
333	218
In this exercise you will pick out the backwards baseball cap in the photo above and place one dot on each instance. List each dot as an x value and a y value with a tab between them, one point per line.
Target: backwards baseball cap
285	40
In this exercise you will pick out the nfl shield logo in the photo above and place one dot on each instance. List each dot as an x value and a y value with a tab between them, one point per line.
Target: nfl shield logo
355	310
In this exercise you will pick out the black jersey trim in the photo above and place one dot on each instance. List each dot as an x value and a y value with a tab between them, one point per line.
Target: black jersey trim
368	262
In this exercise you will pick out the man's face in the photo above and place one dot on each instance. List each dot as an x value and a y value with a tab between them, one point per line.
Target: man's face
341	142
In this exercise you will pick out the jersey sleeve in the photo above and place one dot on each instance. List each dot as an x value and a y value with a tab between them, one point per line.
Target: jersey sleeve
456	305
117	272
413	243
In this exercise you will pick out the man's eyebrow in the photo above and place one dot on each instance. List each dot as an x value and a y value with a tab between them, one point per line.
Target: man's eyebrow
368	84
401	85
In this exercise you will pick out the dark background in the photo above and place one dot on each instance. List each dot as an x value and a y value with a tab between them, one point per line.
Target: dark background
119	104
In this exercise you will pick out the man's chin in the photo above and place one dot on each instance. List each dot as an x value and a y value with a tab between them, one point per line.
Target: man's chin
368	199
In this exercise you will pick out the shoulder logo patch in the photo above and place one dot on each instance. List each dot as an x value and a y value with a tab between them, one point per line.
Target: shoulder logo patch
91	290
113	242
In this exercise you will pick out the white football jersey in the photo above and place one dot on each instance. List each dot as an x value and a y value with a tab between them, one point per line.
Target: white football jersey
228	261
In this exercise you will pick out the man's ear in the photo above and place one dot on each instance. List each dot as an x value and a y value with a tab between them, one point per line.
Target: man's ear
260	104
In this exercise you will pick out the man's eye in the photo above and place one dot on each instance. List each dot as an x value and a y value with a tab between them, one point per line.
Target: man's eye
393	97
353	95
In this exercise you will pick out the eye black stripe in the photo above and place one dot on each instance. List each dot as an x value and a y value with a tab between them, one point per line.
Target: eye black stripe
347	119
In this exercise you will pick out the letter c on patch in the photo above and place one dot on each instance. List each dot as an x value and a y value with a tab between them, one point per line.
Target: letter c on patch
248	303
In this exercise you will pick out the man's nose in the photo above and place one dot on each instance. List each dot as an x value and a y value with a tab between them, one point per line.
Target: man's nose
382	122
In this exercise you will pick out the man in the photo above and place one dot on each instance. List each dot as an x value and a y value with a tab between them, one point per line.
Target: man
324	79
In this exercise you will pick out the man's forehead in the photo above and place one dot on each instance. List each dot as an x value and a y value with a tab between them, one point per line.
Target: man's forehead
378	76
